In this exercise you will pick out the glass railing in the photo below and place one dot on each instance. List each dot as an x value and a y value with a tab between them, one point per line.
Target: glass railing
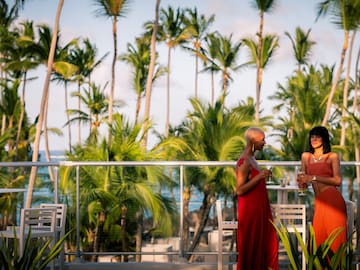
173	248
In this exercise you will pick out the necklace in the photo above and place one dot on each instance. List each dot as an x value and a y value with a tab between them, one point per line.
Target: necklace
316	159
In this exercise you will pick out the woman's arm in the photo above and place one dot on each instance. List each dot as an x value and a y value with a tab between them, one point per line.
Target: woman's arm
243	183
335	180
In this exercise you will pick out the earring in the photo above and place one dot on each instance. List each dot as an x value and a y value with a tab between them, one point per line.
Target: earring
253	148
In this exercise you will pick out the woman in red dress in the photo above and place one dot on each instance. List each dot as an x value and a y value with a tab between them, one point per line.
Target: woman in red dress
257	242
322	170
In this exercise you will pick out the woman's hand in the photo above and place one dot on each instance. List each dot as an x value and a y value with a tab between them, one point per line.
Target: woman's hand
265	174
304	179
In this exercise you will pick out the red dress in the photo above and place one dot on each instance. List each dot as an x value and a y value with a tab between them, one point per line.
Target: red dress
330	208
257	242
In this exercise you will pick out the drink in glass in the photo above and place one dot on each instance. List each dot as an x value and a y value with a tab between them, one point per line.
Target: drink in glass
302	186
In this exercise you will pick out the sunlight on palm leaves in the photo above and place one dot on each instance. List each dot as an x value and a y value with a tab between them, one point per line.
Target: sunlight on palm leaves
316	257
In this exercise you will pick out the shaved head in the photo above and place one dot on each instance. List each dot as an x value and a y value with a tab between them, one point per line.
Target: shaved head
253	132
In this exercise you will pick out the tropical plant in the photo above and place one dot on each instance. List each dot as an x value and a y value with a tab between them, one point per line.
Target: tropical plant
317	256
226	57
37	254
173	32
138	57
212	44
301	45
149	79
115	199
344	14
263	6
302	99
112	10
84	58
260	55
197	26
95	111
64	73
210	133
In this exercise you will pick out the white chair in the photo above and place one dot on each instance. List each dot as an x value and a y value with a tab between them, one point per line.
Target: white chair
59	227
293	217
42	224
222	226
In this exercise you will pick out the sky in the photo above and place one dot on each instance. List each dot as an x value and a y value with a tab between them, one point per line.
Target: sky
236	17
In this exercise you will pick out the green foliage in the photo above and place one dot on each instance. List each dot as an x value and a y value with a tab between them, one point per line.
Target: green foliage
316	257
37	254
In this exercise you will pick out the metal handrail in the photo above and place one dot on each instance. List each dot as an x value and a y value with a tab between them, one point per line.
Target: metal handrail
180	164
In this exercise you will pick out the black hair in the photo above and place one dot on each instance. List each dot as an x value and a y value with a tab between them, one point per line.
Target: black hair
324	134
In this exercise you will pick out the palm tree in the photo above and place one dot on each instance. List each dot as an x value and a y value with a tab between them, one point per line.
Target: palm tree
113	9
9	105
301	45
85	59
96	103
64	73
149	79
344	108
302	99
44	100
268	46
173	32
7	17
18	61
197	26
212	44
42	49
345	14
115	199
262	6
139	58
26	62
226	57
211	133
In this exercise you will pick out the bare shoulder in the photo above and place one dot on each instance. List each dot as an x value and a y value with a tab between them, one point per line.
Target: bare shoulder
243	161
333	156
305	155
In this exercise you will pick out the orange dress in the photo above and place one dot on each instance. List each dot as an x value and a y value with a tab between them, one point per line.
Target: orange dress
257	242
330	208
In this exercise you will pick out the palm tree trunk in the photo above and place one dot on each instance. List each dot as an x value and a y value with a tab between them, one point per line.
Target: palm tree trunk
67	115
150	74
123	232
346	92
167	121
336	79
98	234
212	88
343	110
356	146
137	109
204	215
258	68
196	73
3	124
22	113
112	89
46	140
186	199
79	108
138	237
43	106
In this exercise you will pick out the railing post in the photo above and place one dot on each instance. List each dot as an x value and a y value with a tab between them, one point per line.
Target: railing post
78	253
181	211
56	185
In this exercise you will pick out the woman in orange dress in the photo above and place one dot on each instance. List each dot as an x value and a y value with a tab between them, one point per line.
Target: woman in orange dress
257	242
322	170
